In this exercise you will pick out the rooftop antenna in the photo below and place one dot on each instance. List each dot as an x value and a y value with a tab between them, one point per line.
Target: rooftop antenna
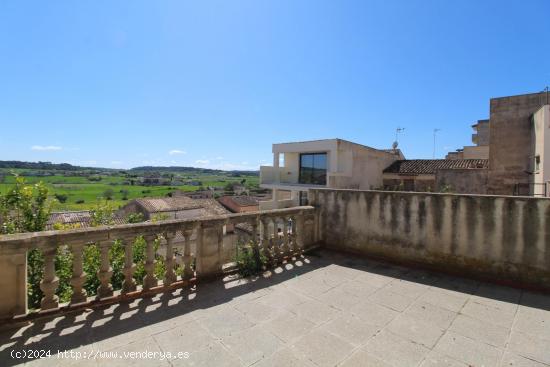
435	132
546	90
397	132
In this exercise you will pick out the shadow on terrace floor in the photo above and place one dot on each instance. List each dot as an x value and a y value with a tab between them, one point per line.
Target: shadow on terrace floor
91	326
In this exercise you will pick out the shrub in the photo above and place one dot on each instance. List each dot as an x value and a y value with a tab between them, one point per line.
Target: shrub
135	218
102	214
61	197
250	259
80	201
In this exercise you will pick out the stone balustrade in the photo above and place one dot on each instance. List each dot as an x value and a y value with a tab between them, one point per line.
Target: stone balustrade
280	233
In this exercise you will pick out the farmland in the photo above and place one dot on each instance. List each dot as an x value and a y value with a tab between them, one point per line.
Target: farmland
82	189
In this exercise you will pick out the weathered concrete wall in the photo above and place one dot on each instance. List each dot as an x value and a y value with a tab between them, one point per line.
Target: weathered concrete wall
503	238
462	181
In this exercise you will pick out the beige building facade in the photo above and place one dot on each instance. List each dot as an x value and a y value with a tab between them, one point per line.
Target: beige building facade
541	156
333	163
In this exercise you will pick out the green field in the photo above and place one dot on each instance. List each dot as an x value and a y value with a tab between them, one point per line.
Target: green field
82	189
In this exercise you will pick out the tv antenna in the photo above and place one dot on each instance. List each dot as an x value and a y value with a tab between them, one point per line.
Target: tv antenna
397	132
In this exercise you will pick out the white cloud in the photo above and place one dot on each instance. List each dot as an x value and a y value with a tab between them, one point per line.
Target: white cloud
117	162
177	151
202	161
45	147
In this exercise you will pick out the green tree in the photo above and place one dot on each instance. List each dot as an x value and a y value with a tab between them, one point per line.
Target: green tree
26	208
108	194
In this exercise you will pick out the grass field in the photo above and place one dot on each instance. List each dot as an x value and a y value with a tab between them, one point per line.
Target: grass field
80	188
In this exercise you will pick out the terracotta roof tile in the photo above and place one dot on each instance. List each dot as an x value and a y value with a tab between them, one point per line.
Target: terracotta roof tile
430	166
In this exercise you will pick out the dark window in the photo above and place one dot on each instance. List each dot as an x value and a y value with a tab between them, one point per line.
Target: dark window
313	168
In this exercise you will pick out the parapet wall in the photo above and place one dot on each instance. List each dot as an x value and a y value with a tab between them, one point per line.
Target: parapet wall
498	237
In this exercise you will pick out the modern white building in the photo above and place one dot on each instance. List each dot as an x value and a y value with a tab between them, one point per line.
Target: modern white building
333	163
541	156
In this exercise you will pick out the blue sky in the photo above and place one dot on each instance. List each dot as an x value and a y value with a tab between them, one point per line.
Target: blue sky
215	83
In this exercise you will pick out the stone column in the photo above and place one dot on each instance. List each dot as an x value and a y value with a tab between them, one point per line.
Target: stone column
209	240
13	282
275	199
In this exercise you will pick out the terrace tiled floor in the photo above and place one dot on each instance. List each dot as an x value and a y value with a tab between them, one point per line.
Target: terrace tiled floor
325	310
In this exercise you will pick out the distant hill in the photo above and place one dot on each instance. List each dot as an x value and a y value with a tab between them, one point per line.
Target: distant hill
189	169
42	165
70	167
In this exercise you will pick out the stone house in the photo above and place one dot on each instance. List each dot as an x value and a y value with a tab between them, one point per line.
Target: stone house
76	219
425	175
240	203
183	207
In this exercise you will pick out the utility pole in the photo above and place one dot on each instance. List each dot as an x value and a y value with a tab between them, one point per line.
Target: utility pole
435	132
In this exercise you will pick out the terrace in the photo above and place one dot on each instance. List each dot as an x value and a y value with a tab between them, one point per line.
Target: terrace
321	304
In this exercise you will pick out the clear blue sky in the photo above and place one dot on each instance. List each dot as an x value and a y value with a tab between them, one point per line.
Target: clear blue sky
214	84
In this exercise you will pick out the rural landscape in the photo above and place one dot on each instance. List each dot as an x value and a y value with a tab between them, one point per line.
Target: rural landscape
80	188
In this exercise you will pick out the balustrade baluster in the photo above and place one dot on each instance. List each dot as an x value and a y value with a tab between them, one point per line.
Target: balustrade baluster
255	243
286	244
293	245
150	280
276	251
219	231
187	271
79	276
50	281
266	244
129	283
170	276
299	233
105	272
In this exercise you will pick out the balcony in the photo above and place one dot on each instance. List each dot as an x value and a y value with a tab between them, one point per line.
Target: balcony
277	175
333	296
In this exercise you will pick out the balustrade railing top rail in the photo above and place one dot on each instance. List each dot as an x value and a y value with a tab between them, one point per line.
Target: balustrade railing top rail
279	233
31	240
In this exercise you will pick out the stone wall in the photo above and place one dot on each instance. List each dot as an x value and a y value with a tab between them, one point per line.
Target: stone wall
462	181
496	237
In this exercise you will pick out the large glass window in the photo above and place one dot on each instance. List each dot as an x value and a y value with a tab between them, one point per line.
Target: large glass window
313	168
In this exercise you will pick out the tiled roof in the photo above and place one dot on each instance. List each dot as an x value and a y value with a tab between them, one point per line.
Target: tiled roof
205	207
155	205
81	218
430	166
243	200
